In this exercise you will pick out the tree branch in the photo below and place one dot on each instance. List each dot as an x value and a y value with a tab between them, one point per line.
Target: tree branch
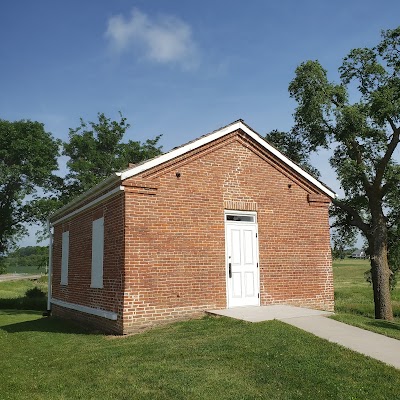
380	170
392	124
356	220
385	189
358	158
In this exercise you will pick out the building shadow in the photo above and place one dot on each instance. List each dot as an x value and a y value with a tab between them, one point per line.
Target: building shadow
43	324
23	303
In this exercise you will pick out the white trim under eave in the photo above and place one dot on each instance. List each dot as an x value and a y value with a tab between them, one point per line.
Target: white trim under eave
110	181
216	135
179	151
88	310
287	161
91	204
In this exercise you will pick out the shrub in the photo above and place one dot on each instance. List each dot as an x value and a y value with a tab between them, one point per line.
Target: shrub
35	293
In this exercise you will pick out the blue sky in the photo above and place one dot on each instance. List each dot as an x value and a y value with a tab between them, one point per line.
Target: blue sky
177	68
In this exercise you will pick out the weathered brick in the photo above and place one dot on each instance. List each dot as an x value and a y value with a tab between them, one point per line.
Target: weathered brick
165	238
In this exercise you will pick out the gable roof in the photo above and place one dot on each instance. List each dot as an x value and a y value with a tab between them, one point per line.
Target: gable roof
138	168
178	151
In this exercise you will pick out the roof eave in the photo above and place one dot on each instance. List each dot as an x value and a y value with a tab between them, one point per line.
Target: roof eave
103	185
216	135
126	174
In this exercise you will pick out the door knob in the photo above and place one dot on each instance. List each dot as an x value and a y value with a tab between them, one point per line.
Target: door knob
230	270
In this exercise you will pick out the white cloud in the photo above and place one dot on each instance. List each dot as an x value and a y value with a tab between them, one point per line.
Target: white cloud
166	40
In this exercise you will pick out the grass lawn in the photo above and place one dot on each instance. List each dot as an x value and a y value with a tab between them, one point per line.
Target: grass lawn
209	358
12	294
354	303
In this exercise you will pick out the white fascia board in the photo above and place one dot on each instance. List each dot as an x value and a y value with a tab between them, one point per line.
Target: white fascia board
100	186
91	204
216	135
287	161
181	150
88	310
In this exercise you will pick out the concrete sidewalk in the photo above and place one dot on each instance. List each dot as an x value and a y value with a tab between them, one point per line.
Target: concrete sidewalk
371	344
267	313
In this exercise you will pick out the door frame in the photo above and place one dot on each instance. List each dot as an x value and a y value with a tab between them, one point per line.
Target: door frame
255	223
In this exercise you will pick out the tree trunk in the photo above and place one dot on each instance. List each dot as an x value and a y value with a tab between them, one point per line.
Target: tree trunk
380	270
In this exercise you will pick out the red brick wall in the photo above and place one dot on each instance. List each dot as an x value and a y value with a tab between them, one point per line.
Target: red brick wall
78	290
175	236
171	238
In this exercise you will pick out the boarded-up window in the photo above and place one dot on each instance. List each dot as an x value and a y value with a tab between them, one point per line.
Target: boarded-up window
97	253
64	258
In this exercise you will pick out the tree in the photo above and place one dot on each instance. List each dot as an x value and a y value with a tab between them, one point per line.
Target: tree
365	135
289	144
95	151
28	157
342	245
27	257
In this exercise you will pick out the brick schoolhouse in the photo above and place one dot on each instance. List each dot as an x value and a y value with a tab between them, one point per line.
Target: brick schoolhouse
223	221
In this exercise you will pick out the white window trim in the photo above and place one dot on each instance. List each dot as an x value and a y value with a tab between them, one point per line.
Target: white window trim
97	253
64	258
239	212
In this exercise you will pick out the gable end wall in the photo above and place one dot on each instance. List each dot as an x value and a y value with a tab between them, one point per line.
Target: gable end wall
175	233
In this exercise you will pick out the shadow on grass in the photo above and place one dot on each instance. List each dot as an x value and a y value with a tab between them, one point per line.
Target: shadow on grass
24	303
384	324
43	324
361	311
17	312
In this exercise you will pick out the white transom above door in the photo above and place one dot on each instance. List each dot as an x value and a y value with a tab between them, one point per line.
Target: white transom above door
242	272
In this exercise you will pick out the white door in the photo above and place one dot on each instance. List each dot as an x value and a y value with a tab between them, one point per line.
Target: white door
242	264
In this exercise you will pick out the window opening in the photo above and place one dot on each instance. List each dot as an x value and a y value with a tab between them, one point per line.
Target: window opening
240	218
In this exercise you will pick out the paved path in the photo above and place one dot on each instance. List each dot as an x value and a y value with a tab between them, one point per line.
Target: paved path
266	313
371	344
18	277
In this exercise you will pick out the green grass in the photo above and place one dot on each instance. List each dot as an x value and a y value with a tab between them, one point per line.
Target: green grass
210	358
12	294
354	303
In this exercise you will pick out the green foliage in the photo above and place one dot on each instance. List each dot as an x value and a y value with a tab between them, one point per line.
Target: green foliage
28	157
343	245
3	266
35	293
27	259
364	135
95	151
289	144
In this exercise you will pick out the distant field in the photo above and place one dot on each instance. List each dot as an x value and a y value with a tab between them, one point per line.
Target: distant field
17	269
354	302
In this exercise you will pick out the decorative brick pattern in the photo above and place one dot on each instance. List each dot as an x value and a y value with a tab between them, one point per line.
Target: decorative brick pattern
165	238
